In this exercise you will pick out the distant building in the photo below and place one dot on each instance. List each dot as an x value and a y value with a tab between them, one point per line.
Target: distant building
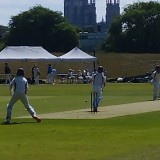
81	13
91	41
102	26
112	10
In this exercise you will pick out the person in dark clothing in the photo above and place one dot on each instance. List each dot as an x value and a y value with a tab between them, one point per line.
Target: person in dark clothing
33	80
7	73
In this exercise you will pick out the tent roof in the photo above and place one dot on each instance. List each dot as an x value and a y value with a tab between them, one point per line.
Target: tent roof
11	53
77	55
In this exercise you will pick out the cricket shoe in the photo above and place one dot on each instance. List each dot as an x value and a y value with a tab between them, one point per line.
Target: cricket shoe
37	119
6	123
95	110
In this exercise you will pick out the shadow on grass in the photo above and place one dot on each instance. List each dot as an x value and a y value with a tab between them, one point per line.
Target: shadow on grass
14	123
92	111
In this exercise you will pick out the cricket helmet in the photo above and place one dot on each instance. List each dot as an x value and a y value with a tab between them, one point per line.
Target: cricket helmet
157	67
100	69
20	72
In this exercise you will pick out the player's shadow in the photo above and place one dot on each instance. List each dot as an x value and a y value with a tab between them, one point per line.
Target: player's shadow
92	111
15	123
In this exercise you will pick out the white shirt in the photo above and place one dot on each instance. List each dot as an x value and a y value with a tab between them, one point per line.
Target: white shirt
20	84
36	72
156	76
53	71
98	79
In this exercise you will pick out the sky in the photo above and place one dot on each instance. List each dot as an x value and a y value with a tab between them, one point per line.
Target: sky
9	8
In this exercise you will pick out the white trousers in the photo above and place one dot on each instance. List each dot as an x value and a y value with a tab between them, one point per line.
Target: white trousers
156	90
23	98
36	78
8	79
49	78
97	97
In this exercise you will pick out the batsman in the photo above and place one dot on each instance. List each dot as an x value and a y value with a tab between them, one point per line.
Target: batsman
98	81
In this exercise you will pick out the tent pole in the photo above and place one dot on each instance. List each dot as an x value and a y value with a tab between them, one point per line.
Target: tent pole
94	63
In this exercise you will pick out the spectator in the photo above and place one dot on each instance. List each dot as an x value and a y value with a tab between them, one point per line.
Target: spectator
49	74
53	75
36	74
71	77
33	81
7	73
87	77
79	76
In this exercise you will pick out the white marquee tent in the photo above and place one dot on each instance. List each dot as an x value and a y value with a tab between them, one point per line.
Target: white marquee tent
27	53
77	55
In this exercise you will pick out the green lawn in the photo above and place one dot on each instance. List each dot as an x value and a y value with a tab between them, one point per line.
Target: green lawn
63	97
133	137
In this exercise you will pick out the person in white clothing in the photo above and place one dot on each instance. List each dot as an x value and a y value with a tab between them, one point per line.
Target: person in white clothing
87	76
156	82
36	74
53	75
71	77
79	76
20	86
98	81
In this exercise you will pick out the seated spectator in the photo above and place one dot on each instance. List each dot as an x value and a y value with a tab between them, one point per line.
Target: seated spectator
79	76
71	77
87	77
63	78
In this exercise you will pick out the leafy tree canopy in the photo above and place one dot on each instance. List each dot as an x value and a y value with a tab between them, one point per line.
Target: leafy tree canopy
3	32
136	30
42	27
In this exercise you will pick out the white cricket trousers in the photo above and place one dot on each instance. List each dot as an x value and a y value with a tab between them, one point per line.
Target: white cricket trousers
156	90
23	98
98	97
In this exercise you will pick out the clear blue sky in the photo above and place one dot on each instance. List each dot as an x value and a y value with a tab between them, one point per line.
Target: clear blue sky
10	8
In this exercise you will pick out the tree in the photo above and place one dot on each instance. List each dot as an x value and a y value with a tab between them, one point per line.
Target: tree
42	27
3	32
136	29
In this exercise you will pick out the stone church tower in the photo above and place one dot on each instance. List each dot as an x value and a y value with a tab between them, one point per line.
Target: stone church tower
81	13
112	10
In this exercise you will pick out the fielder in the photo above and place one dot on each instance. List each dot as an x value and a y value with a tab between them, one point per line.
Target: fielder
98	80
156	82
20	86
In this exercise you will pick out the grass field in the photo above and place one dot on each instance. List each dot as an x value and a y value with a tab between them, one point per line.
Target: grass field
133	137
63	97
